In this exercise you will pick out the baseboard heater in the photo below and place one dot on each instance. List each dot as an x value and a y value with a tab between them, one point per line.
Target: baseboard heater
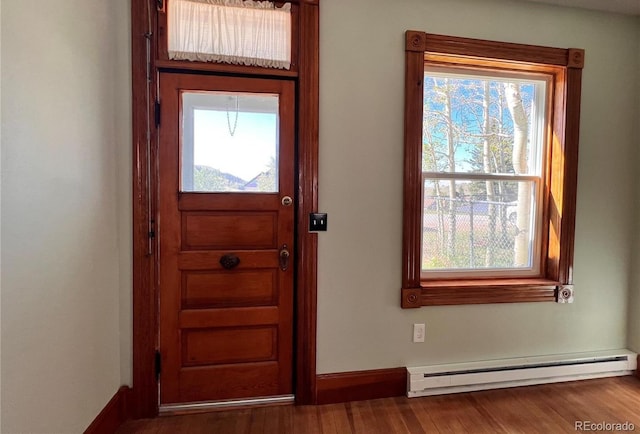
497	374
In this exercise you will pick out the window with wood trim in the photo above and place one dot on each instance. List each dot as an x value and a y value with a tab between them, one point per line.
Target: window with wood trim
491	148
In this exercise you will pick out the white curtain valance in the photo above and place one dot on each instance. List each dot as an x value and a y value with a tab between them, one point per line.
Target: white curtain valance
243	32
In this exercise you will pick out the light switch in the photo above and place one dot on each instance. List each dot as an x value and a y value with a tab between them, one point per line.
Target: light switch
317	222
418	333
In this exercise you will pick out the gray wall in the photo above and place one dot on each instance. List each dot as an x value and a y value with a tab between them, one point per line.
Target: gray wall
360	323
124	182
62	86
634	291
0	214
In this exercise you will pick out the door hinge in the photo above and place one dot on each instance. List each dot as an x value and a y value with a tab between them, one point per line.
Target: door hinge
158	365
160	5
157	114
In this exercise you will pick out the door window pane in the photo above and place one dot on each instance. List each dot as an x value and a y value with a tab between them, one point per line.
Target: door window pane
229	142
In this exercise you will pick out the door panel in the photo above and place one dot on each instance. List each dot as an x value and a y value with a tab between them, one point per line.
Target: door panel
210	260
220	289
231	230
233	381
224	346
230	317
225	333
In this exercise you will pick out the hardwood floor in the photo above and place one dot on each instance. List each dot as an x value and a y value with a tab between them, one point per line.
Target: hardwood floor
545	409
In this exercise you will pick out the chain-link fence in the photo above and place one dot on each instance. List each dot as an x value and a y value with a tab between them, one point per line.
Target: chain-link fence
468	234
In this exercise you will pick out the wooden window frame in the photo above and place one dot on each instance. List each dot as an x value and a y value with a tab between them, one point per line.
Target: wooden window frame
564	66
148	58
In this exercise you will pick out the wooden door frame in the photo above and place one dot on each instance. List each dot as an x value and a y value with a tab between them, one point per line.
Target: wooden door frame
145	258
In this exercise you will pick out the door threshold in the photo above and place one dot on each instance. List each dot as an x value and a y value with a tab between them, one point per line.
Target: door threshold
231	404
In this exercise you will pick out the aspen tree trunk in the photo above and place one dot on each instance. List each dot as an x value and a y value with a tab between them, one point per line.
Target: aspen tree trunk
520	134
501	164
440	214
451	242
490	254
438	191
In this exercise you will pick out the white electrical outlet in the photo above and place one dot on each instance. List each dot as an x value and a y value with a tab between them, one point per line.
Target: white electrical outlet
418	333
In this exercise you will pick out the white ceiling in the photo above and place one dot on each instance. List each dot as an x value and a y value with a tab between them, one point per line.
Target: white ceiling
631	7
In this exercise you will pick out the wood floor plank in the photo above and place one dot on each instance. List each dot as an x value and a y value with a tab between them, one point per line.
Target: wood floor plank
256	426
537	402
408	415
272	421
327	424
349	415
237	421
203	423
444	413
172	425
334	419
286	419
628	399
472	417
582	401
305	420
388	416
424	417
364	419
502	411
540	415
144	426
552	408
619	397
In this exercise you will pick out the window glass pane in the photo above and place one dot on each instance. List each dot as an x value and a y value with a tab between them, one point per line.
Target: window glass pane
481	124
229	142
483	225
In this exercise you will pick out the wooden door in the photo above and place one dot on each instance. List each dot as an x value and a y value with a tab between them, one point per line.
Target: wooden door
225	237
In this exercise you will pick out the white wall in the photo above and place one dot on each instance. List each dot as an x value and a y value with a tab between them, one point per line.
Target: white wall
634	293
0	215
124	182
360	323
60	233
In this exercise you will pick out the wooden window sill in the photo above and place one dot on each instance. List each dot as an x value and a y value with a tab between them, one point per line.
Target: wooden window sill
455	292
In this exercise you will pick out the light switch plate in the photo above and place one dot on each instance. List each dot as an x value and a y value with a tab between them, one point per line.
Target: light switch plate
317	222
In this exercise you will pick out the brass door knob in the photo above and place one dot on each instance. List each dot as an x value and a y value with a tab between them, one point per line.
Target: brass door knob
287	201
